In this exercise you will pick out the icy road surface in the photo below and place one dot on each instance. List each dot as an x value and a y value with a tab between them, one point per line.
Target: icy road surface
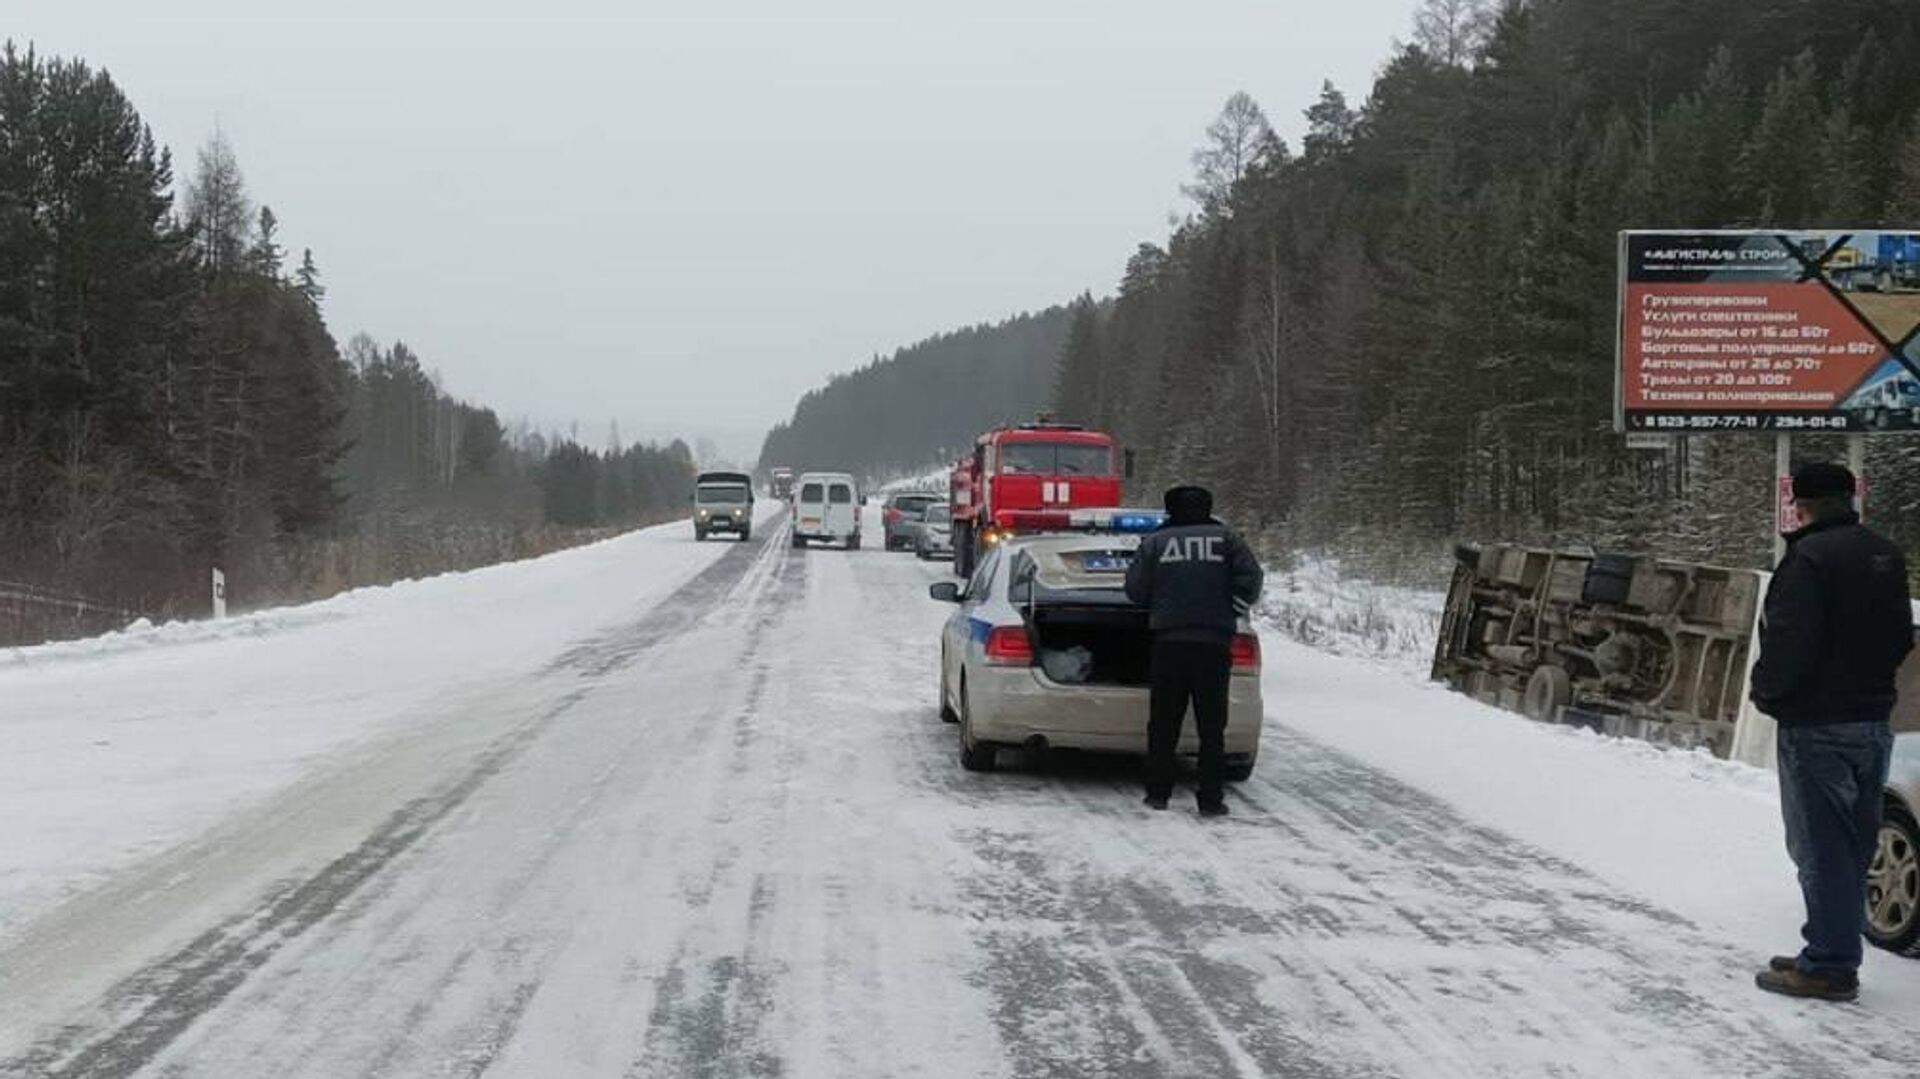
728	836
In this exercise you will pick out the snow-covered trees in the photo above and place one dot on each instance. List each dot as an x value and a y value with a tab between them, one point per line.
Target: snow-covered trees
1405	335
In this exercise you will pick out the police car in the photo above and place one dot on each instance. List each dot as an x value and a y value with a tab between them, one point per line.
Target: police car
1044	649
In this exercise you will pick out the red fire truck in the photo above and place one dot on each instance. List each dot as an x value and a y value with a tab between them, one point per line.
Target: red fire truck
1032	466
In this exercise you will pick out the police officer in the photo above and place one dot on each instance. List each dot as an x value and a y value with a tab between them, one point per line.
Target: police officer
1837	624
1195	578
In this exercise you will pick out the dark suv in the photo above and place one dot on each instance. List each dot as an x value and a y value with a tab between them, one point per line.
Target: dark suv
902	516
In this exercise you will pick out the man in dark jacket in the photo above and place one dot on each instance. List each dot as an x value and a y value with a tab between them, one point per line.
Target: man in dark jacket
1196	579
1837	624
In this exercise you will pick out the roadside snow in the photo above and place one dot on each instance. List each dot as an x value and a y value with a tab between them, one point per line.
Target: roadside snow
1692	833
1316	604
1688	832
119	746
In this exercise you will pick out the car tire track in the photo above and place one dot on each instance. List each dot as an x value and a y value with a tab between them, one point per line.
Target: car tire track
151	1008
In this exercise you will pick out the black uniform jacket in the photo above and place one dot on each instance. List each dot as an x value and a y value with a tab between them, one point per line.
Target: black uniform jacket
1194	579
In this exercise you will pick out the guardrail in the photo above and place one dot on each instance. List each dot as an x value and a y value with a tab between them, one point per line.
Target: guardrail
29	594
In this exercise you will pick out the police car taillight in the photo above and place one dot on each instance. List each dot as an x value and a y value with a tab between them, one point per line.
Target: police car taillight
1008	646
1245	653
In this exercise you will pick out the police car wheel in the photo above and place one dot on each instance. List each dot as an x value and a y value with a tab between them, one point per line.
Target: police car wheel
746	534
947	714
1239	771
974	756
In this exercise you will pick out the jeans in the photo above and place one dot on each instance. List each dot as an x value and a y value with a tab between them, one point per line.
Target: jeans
1197	672
1831	779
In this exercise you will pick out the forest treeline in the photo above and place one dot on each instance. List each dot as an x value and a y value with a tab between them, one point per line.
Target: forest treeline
921	406
171	400
1401	331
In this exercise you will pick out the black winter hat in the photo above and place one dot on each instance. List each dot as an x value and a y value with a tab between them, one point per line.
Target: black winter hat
1822	479
1187	504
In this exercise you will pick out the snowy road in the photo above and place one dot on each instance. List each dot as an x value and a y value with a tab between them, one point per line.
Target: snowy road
728	836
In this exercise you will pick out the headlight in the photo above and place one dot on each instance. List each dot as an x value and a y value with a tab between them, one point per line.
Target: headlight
703	513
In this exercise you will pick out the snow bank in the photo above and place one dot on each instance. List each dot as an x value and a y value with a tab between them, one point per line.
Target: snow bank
1315	604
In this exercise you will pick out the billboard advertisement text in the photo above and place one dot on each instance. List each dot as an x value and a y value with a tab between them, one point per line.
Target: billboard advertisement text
1769	331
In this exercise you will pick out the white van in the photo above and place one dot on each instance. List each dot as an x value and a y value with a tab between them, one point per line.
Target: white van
826	507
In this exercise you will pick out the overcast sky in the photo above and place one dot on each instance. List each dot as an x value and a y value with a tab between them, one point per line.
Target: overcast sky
685	215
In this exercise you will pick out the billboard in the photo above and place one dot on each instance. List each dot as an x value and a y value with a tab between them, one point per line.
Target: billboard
1810	330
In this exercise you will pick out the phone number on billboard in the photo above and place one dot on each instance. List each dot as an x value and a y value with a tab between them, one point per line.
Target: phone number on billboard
1750	422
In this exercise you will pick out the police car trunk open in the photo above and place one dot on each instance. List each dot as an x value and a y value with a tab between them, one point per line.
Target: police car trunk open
1044	649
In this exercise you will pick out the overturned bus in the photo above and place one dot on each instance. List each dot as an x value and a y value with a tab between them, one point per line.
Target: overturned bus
1628	645
1623	644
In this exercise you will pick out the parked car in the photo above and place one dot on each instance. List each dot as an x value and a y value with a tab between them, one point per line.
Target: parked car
723	502
934	537
1044	650
1893	884
901	515
826	509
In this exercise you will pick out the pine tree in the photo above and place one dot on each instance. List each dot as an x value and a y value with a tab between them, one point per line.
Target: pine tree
265	257
1077	382
1697	141
1781	164
307	280
1330	125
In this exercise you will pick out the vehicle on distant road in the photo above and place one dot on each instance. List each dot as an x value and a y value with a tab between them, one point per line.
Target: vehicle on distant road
723	502
826	509
780	482
900	517
1033	466
1044	650
934	537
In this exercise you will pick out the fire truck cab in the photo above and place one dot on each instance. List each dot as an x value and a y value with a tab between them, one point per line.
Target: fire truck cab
1031	466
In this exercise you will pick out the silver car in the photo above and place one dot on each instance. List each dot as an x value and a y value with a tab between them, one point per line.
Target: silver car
1044	650
1893	884
934	537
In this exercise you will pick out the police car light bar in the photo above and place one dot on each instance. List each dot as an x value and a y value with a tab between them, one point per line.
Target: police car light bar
1117	520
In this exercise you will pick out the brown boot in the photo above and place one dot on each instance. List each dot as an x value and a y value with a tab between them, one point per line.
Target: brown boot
1784	963
1819	985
